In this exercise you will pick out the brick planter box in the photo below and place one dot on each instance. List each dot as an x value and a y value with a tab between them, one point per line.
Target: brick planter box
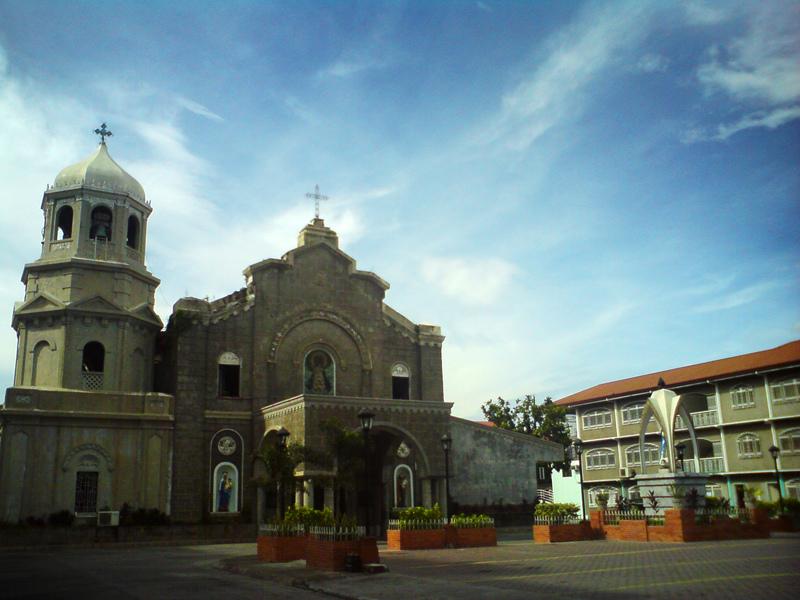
470	537
330	555
415	539
573	532
281	548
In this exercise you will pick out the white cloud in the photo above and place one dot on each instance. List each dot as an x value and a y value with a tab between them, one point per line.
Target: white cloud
197	108
652	63
698	12
575	58
473	282
769	120
761	65
484	7
735	299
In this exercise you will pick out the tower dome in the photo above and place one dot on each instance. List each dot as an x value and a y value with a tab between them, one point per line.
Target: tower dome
99	171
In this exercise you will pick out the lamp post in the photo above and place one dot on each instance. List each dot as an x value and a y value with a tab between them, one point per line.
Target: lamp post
775	451
366	418
577	445
447	443
283	440
681	448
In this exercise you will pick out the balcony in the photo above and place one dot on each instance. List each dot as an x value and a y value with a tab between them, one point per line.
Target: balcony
705	418
712	464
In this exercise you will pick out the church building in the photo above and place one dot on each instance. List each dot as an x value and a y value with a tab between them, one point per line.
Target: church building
108	407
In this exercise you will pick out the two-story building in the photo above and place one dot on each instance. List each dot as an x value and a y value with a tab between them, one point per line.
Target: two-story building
751	403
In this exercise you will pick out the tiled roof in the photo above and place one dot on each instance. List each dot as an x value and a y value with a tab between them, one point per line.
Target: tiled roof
486	423
765	359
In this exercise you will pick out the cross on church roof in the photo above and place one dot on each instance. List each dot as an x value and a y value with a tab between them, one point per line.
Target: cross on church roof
317	197
103	133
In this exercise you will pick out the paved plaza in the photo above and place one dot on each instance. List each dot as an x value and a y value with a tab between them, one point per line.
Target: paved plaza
515	569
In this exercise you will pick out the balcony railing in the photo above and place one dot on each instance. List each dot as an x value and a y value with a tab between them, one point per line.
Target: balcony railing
92	380
713	464
705	418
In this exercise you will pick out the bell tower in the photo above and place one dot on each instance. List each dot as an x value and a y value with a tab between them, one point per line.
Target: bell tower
87	321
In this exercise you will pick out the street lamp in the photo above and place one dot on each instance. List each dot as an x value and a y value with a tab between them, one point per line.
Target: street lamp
447	443
775	451
283	440
577	446
366	418
681	448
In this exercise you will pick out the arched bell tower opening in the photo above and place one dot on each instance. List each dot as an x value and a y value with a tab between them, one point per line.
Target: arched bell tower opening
101	226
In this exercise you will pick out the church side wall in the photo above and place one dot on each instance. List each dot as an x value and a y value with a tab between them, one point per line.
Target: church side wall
490	466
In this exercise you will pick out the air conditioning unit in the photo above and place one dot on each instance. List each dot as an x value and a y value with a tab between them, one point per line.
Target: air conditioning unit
108	518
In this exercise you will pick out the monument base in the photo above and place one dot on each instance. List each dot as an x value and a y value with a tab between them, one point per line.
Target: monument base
665	485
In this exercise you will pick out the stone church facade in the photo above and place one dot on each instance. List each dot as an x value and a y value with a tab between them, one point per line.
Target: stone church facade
107	408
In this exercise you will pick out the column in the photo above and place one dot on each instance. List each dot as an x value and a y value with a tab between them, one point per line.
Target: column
329	497
426	493
308	493
298	493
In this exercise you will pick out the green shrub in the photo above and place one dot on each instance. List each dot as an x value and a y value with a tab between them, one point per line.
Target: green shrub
556	510
715	503
308	517
791	505
62	518
142	516
420	513
462	520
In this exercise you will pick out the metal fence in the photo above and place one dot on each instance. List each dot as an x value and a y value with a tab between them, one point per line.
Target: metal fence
613	517
467	523
274	530
331	534
564	520
407	525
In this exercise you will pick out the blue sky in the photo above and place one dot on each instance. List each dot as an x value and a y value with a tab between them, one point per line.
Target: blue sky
576	192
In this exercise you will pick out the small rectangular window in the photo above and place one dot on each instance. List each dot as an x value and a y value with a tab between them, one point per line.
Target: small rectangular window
229	380
400	388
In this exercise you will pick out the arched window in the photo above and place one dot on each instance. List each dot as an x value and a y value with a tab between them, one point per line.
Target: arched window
64	223
93	364
133	232
748	445
100	228
597	419
742	397
319	373
632	413
789	441
400	382
43	369
595	491
650	454
229	368
786	391
602	458
793	489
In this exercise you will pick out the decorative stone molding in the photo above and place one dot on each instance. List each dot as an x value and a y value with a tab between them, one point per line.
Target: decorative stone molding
323	315
95	448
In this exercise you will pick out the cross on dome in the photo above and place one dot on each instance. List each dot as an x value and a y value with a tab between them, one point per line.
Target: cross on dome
103	133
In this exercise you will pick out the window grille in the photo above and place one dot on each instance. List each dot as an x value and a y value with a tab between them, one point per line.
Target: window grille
789	441
651	454
600	459
596	419
92	381
748	445
632	413
786	391
742	397
86	491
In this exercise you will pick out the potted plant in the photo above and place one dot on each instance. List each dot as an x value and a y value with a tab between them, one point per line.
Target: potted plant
417	528
558	522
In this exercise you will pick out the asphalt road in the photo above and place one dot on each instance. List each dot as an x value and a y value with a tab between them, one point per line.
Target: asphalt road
173	572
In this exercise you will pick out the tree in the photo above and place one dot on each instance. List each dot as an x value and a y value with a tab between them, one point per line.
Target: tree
345	455
546	420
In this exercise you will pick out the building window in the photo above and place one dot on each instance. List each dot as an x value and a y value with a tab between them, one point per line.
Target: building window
635	495
86	491
400	382
133	232
793	489
650	454
320	373
229	368
786	391
600	459
789	441
612	495
742	397
632	413
713	490
64	223
749	445
101	224
597	419
93	365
